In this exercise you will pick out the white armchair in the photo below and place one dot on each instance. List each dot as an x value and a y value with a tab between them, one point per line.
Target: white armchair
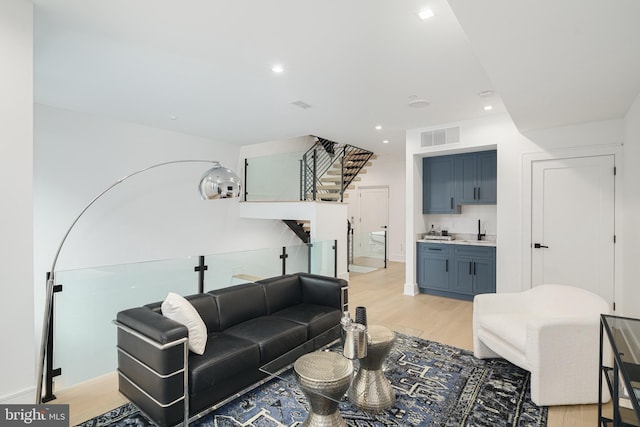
551	331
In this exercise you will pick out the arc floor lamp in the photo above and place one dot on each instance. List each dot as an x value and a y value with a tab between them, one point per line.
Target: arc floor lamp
217	182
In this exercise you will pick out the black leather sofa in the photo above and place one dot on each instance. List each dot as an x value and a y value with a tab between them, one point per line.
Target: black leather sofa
248	326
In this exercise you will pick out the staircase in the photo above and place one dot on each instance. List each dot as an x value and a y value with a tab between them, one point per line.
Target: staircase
328	169
302	228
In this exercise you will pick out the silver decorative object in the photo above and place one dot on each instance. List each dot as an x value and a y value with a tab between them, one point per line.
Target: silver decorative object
324	377
355	341
370	390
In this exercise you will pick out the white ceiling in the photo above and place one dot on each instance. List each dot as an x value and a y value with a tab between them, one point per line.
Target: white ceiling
557	62
357	63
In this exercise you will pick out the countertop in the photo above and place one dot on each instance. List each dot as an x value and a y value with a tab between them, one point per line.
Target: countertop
461	242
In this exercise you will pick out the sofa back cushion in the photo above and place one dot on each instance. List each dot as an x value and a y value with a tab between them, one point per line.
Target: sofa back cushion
237	304
550	300
322	290
281	292
205	305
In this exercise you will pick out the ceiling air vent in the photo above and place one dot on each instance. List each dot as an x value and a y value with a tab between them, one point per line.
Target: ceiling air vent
440	137
301	104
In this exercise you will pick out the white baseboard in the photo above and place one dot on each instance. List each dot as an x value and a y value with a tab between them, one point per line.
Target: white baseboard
411	289
397	257
26	396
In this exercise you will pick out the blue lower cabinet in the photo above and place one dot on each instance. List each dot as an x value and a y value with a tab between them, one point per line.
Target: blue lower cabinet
457	271
433	266
464	276
485	276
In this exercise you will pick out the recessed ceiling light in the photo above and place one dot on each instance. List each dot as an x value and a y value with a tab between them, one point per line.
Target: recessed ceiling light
425	14
485	93
418	103
173	118
277	68
488	107
378	127
386	141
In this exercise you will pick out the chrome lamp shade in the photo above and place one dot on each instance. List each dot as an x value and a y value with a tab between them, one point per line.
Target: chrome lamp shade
220	183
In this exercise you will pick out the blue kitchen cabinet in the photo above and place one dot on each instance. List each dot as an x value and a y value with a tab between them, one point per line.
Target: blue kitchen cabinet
475	268
464	275
438	189
475	178
456	271
433	266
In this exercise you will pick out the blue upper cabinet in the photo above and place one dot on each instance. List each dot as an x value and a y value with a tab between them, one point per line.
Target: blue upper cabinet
475	178
438	190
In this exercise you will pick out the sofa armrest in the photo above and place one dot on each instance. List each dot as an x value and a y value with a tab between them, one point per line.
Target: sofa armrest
563	338
564	354
323	290
153	364
151	340
153	325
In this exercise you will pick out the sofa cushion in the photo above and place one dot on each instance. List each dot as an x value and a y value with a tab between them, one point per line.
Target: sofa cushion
175	307
281	292
206	306
273	335
316	318
224	357
238	304
511	328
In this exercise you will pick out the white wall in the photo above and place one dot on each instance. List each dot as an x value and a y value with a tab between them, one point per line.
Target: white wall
16	187
513	149
388	172
631	213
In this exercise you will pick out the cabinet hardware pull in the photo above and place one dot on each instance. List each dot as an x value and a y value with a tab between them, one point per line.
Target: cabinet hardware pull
452	203
474	268
470	268
475	189
478	193
446	266
435	249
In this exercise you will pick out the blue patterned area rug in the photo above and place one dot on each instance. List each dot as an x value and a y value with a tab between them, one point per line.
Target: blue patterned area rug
436	385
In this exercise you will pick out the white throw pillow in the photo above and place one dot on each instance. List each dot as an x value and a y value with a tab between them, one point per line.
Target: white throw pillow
175	307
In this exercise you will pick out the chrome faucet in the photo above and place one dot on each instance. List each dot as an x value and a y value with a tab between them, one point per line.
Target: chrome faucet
480	235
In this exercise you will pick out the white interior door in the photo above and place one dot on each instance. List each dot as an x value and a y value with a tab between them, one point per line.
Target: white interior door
572	227
373	220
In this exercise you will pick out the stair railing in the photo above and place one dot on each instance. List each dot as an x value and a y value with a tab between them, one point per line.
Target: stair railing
323	156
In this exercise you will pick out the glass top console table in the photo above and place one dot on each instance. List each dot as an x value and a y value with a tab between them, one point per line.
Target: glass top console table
622	374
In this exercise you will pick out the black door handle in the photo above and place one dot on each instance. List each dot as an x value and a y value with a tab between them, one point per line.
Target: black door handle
446	266
538	246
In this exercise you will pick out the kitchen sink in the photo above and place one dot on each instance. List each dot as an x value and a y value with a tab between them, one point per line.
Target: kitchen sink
477	241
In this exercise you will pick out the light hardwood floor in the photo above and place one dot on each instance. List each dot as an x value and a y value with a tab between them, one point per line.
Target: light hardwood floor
434	318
